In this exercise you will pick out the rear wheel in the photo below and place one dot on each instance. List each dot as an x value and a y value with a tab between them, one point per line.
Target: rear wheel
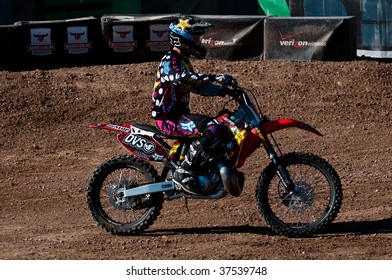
315	202
113	212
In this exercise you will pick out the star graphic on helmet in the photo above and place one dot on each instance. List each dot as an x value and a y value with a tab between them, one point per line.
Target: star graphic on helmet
183	23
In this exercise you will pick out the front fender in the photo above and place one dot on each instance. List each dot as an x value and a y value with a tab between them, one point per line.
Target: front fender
273	126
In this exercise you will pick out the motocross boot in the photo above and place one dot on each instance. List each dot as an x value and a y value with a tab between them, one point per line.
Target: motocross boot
185	179
200	151
185	176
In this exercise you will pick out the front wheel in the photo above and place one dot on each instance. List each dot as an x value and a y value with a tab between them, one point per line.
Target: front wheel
314	203
115	213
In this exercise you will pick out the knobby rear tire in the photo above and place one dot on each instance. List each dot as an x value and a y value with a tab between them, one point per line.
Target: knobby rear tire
318	200
131	216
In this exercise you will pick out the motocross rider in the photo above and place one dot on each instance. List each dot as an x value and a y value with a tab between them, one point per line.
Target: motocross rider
174	82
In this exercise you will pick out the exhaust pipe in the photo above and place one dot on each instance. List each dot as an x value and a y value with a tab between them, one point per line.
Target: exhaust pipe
230	180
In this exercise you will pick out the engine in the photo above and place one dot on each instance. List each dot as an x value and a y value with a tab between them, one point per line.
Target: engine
222	176
210	181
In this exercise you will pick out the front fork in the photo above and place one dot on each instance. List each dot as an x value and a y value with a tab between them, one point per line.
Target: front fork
281	170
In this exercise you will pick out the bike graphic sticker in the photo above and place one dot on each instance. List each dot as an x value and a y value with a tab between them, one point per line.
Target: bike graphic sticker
140	143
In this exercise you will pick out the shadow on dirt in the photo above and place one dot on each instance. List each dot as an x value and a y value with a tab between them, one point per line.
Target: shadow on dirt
360	228
213	230
343	228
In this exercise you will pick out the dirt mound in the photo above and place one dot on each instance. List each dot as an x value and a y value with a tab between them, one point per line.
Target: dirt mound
48	155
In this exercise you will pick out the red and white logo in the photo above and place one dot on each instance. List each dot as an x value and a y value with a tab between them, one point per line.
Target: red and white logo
41	41
123	39
77	40
289	40
159	38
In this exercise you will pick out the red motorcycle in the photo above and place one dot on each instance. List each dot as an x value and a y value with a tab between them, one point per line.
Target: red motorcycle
297	193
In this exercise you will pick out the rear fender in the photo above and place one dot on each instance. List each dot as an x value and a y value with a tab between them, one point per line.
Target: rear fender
273	126
141	143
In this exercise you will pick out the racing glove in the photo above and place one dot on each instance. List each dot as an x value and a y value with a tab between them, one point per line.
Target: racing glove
226	80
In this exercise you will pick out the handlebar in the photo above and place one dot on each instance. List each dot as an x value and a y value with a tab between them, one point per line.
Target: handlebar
241	96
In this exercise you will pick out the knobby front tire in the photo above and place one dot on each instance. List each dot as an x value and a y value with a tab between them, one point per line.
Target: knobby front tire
315	203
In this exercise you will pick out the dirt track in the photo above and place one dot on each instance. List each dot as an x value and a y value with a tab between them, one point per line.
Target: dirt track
48	156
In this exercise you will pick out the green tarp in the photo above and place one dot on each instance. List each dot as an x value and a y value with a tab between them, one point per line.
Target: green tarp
275	7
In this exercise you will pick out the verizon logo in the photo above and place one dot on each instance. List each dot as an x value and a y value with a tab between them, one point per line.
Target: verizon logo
216	43
301	44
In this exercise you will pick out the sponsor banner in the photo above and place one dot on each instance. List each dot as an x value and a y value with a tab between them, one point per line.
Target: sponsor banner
136	38
77	40
73	42
122	39
233	37
310	38
159	38
81	41
41	42
128	38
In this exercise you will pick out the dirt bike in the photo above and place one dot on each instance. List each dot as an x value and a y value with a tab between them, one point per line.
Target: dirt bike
297	194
